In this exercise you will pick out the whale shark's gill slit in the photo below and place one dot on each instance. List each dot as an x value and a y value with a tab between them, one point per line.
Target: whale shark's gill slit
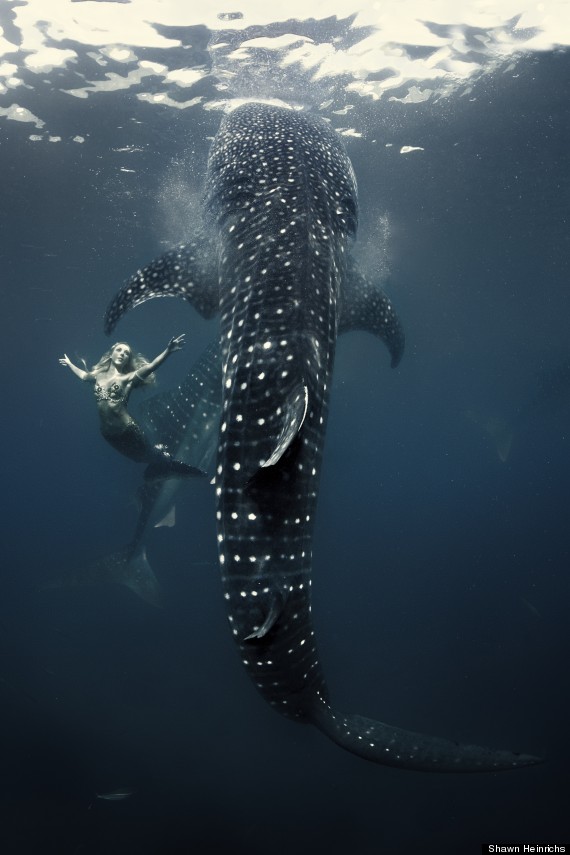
287	287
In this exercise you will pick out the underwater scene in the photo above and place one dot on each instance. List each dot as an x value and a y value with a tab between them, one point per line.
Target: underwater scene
284	559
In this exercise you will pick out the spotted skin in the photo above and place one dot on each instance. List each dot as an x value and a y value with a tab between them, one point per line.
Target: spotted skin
282	198
364	306
186	420
186	271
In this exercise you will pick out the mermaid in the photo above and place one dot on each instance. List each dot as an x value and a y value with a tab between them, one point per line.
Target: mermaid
114	377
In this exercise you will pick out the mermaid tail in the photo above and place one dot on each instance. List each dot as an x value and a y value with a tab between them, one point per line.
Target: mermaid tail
131	442
167	467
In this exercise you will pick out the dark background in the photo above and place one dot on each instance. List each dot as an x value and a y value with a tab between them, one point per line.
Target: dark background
441	591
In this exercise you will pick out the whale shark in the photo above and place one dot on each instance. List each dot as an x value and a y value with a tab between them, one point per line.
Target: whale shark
281	200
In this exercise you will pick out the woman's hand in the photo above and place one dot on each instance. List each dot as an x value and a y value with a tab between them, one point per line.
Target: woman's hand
176	343
79	372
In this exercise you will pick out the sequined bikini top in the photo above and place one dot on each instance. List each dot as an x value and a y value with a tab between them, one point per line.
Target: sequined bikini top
113	393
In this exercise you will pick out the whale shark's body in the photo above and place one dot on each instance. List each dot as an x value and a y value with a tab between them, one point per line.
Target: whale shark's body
282	197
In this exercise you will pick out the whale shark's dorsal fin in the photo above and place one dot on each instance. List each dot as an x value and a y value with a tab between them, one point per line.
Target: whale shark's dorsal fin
272	615
293	414
272	600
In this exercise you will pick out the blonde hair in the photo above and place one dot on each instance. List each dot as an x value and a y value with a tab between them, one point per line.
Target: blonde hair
136	361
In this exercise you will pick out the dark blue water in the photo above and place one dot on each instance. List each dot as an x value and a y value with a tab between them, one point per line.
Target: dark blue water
441	591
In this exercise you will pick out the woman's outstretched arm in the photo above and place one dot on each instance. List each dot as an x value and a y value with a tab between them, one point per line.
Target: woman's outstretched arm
176	343
79	372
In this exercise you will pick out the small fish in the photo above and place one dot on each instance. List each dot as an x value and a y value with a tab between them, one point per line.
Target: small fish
117	795
532	608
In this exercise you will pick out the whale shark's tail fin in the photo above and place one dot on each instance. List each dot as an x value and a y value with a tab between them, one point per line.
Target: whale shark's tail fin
392	746
128	566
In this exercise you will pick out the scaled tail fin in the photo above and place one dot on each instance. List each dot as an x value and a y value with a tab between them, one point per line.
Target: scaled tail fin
138	575
128	566
167	467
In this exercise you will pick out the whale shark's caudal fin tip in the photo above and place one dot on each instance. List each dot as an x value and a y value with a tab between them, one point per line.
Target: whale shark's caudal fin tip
392	746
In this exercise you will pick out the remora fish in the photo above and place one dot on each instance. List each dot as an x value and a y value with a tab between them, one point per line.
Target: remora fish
282	196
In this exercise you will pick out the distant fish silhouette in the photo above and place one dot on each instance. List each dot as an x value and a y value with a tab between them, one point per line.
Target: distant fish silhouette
497	429
551	393
118	795
532	608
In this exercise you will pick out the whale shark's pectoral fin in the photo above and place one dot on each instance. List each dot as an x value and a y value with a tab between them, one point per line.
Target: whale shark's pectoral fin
188	271
365	306
293	413
392	746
